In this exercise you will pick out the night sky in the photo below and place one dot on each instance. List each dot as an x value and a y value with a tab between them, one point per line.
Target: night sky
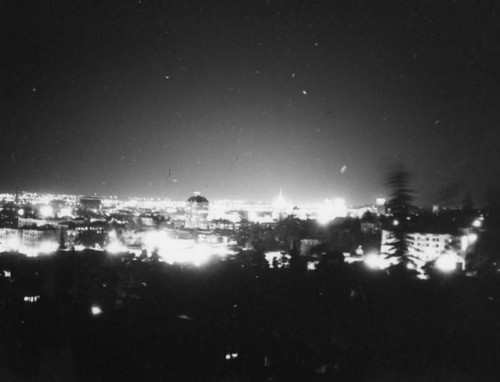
237	99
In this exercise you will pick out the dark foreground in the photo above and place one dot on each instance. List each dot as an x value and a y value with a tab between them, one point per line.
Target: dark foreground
237	320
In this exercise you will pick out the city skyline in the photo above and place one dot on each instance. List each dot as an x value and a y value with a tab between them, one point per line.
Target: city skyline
279	197
239	100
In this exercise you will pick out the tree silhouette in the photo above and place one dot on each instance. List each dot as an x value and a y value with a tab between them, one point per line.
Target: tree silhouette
400	205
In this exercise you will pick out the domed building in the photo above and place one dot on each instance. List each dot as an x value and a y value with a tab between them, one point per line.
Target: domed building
196	212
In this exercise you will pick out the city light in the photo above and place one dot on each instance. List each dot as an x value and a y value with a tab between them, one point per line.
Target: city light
182	251
201	254
31	298
155	240
312	265
330	210
48	247
95	310
468	240
280	202
472	237
464	243
376	261
46	211
280	206
65	212
447	262
230	356
115	247
275	258
13	243
347	223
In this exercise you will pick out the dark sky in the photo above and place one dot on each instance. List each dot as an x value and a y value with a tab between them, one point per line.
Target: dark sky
240	98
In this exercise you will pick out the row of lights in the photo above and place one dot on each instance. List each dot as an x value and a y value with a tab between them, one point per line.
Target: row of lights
31	298
445	263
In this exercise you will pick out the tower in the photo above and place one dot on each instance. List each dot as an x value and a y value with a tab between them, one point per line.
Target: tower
196	212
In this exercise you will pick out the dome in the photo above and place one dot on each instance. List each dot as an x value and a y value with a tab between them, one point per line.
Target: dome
197	199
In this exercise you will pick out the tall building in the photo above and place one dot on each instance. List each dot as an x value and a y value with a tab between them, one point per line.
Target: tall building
196	212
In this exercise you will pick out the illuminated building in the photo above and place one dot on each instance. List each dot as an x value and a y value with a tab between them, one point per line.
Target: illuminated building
196	212
222	224
425	247
90	203
29	241
95	227
184	247
148	221
34	241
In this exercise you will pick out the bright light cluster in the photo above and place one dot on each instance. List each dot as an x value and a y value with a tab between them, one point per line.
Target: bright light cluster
115	247
330	210
280	202
478	223
468	240
276	256
65	212
182	251
95	310
445	263
13	244
448	262
48	247
46	211
376	261
31	298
